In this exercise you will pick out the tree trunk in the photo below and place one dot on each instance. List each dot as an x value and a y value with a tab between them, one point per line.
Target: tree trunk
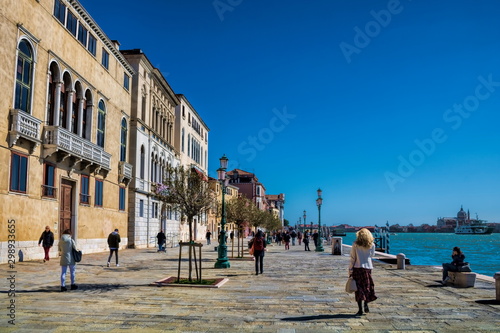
190	260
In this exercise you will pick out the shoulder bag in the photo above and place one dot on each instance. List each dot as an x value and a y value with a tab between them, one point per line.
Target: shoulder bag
77	255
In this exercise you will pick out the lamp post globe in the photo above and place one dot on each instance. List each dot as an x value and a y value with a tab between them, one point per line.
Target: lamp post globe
319	202
222	259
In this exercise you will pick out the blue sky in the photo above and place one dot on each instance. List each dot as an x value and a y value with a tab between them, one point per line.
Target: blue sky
390	107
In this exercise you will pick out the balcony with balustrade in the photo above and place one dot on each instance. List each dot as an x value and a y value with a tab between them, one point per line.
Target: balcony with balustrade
24	126
124	172
76	149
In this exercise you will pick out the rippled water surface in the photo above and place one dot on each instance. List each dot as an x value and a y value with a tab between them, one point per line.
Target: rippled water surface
481	251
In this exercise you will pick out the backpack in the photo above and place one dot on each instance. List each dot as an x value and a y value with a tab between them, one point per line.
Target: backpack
258	244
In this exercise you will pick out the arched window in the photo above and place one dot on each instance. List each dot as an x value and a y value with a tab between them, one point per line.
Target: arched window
123	141
24	77
143	160
101	123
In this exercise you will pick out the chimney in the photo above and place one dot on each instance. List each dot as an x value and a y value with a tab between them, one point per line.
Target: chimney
116	44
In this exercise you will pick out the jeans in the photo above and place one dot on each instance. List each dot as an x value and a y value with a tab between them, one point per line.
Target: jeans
111	254
259	261
72	270
447	267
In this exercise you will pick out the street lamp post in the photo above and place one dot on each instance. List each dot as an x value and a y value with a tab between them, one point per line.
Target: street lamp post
222	259
319	202
304	216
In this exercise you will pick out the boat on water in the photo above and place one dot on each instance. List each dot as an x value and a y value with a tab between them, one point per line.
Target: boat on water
479	228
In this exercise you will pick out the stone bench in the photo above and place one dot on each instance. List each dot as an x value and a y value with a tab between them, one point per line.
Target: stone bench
462	279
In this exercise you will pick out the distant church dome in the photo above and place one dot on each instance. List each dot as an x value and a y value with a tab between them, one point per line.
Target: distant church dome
461	215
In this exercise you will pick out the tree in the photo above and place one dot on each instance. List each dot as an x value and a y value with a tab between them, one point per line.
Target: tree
187	192
239	211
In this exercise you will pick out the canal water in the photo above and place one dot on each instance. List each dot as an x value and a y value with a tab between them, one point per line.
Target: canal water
433	249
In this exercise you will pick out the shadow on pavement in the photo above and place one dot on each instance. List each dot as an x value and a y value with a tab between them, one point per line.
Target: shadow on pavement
488	302
81	287
335	316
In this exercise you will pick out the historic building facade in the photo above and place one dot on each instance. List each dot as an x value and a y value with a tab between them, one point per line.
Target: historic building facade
276	204
63	151
249	186
151	152
192	143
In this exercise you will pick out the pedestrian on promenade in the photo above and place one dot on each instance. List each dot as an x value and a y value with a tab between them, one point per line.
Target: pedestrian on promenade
457	261
360	269
299	237
162	239
316	239
66	246
286	239
259	247
306	241
293	235
207	236
114	243
47	240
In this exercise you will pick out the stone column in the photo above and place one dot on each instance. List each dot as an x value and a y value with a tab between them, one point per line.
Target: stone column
57	103
81	101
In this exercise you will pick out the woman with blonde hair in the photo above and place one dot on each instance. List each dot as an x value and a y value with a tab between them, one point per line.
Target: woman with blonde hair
361	267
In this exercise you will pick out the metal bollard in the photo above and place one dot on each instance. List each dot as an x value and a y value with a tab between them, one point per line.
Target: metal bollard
401	259
497	284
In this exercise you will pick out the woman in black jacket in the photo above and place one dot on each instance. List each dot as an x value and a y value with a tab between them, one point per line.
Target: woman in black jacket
47	240
458	261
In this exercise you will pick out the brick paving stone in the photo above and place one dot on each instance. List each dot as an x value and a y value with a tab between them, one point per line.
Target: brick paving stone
298	292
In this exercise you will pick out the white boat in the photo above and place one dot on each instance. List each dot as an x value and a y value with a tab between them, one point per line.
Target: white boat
473	229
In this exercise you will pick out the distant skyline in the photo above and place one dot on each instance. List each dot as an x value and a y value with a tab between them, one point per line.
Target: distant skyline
390	107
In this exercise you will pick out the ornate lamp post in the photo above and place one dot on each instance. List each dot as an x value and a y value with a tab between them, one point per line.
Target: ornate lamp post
304	216
319	202
222	260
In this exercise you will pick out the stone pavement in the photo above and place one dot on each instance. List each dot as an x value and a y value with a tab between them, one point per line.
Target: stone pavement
298	292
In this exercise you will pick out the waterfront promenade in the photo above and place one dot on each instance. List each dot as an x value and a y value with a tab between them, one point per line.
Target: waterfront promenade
298	292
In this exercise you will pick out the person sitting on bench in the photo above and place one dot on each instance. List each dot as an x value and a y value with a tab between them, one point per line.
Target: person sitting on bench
458	261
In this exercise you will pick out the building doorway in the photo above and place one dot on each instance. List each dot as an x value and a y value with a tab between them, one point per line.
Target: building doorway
66	206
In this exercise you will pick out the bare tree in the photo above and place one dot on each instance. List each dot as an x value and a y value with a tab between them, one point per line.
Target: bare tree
188	192
239	211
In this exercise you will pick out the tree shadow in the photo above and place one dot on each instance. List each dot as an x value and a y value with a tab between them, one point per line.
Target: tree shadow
84	287
319	317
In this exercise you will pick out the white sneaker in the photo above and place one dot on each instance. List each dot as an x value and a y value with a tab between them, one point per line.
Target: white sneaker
446	279
108	264
117	265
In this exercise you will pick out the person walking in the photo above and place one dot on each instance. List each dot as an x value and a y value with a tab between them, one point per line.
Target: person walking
47	240
316	239
293	235
114	243
360	268
66	246
208	235
286	239
299	237
259	247
306	241
457	261
162	239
